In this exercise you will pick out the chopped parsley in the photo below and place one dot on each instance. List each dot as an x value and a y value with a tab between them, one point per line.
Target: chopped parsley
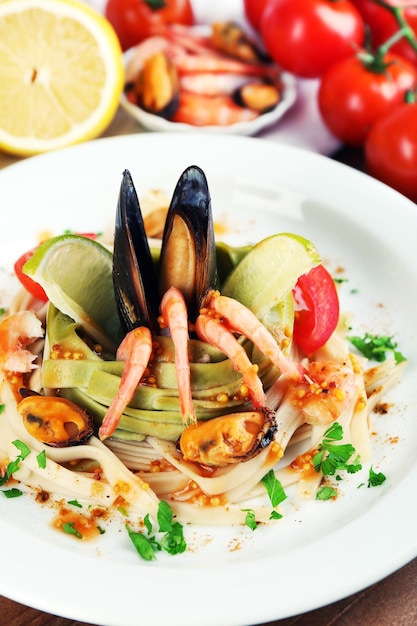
41	459
12	493
375	478
172	540
13	466
326	493
75	503
69	528
273	488
375	347
332	457
250	519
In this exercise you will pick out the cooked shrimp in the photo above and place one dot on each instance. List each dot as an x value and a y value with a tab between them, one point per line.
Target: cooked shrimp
18	331
241	319
202	110
187	63
215	332
135	350
211	84
174	314
327	390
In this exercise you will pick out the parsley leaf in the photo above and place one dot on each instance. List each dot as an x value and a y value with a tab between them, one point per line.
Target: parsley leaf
331	457
12	493
13	466
275	515
250	519
376	478
41	459
22	447
69	528
326	493
375	347
145	547
75	503
273	488
172	540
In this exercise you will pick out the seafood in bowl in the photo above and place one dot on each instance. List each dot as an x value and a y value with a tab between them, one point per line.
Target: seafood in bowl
182	80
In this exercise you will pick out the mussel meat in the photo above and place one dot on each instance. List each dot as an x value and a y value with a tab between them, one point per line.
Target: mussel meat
230	38
156	89
258	96
228	439
55	421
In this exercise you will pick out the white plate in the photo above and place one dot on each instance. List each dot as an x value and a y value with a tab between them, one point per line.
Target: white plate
157	123
317	553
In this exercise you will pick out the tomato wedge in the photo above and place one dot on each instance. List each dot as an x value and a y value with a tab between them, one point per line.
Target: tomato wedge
33	288
30	285
317	309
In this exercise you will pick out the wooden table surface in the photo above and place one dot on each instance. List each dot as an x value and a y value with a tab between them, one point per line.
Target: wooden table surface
390	602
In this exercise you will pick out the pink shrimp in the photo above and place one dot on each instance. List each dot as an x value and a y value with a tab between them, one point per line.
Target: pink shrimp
174	312
191	63
135	350
17	331
212	330
203	110
327	389
211	84
239	318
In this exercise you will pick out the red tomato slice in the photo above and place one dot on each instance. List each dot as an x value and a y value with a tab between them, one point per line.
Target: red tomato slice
317	309
30	285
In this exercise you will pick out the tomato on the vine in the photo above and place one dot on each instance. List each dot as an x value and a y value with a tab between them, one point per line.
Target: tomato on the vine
253	11
135	20
354	93
317	309
305	37
383	25
391	149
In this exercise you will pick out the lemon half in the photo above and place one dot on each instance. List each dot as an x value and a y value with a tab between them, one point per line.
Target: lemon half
61	74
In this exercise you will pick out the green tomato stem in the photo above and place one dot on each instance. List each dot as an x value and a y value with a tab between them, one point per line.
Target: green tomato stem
405	30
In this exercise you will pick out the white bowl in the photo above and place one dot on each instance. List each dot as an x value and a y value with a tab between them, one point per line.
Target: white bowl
157	123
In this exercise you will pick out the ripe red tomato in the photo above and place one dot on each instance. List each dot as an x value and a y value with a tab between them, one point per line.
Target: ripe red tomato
30	285
352	96
383	25
317	309
135	20
306	36
391	149
253	11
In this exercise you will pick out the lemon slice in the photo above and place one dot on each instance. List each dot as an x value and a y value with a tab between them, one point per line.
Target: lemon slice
61	74
76	275
264	278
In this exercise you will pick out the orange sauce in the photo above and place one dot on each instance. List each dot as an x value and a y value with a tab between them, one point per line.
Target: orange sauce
79	525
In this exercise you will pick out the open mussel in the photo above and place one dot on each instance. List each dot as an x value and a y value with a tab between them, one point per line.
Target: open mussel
188	254
55	421
134	277
156	89
228	439
228	37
